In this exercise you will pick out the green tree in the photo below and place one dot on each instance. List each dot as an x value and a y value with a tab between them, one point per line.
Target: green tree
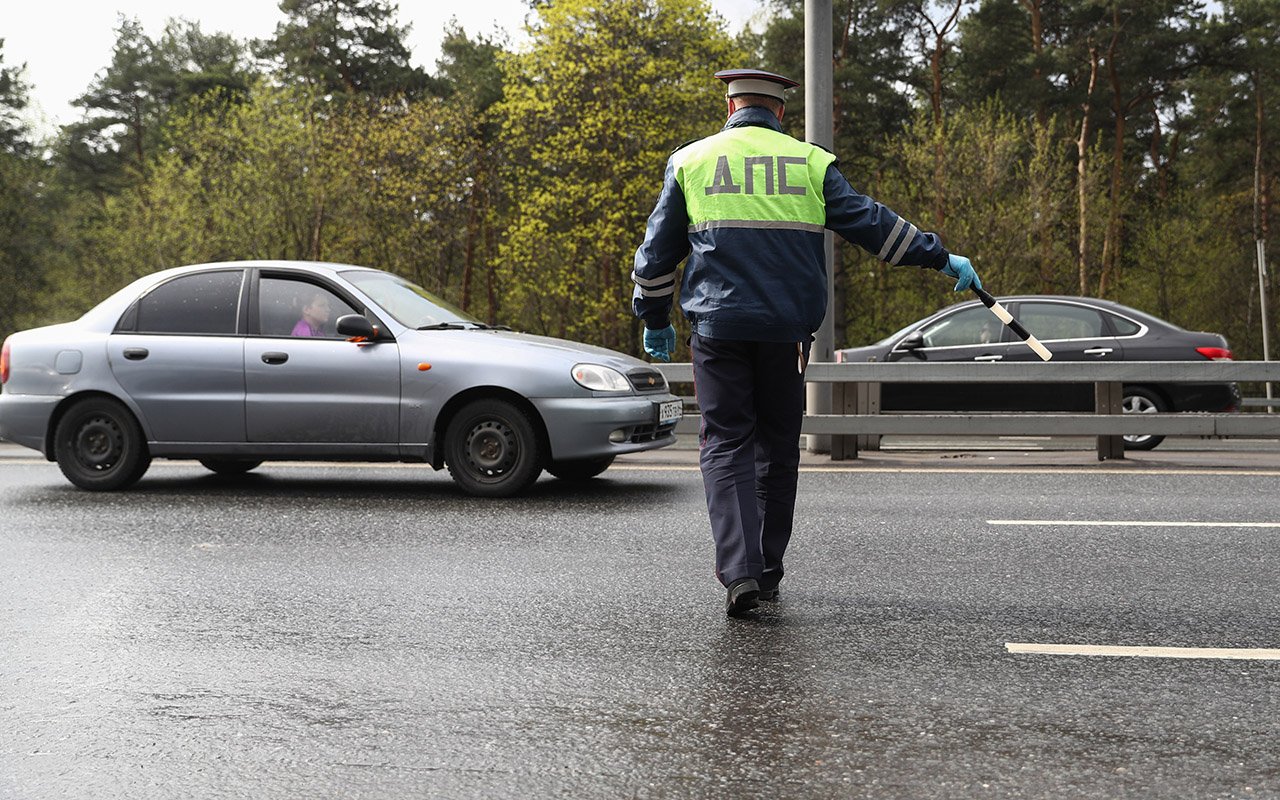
127	105
344	47
407	187
1011	211
421	188
870	65
24	209
469	68
1235	118
593	106
1147	49
13	100
995	56
24	235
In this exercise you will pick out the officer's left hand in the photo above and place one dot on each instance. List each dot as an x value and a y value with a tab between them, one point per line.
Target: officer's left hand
959	267
661	343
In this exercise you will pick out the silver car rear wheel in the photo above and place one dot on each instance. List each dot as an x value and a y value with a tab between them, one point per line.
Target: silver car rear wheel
492	449
99	446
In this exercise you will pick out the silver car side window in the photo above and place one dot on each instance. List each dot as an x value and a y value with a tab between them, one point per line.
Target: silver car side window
203	303
298	309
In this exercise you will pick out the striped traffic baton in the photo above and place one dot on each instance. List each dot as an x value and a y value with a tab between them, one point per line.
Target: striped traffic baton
1015	326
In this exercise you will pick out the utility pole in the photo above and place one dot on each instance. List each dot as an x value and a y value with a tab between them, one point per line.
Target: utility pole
819	128
1260	244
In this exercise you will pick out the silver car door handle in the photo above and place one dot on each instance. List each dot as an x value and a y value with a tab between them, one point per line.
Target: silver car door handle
275	358
1097	351
136	353
987	358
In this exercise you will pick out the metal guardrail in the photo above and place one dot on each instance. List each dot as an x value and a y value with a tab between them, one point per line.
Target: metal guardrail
859	423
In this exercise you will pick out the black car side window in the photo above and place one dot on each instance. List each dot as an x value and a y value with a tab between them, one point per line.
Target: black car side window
1122	326
967	327
204	303
1061	321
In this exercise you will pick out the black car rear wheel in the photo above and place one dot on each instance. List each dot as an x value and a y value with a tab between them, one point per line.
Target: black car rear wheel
492	449
1142	401
99	446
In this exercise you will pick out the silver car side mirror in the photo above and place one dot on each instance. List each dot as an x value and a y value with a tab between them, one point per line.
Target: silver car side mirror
356	326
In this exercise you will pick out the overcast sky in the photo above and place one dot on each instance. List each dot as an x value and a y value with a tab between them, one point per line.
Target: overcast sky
64	42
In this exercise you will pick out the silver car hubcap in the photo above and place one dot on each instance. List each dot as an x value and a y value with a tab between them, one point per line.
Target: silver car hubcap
99	443
492	448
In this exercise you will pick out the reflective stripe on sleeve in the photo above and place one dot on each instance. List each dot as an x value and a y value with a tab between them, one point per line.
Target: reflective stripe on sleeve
651	282
893	237
907	239
663	292
655	287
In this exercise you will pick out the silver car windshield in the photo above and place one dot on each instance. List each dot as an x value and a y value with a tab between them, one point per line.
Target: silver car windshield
410	304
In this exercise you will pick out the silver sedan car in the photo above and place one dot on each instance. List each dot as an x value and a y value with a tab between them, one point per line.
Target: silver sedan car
238	363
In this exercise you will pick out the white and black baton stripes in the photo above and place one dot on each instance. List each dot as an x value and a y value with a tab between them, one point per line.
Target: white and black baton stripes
1015	326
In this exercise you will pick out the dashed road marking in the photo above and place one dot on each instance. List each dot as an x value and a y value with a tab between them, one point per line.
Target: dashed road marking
1129	523
1235	653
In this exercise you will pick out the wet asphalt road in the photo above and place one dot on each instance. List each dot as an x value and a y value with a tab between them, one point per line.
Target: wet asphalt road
371	632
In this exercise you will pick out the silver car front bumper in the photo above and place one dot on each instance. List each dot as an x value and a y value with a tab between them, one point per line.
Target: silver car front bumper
592	427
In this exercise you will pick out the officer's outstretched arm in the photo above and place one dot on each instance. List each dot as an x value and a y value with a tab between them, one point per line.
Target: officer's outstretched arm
876	228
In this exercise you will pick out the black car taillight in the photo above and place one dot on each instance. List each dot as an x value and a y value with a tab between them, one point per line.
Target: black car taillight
4	362
1215	353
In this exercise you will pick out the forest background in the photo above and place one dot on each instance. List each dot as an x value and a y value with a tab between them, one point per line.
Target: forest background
1109	148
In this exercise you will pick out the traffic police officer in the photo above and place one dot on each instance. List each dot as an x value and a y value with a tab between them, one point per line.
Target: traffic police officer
748	206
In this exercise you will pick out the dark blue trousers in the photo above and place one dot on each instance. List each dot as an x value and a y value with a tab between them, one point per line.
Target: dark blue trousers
751	395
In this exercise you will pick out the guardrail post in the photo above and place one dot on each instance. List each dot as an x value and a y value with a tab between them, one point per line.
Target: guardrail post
1108	398
844	401
868	403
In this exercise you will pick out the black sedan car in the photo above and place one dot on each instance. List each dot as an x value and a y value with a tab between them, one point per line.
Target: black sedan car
1074	329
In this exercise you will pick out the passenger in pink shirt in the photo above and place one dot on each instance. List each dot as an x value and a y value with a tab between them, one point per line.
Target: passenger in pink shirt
315	314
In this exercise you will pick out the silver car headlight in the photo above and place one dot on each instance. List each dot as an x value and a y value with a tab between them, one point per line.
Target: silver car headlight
600	379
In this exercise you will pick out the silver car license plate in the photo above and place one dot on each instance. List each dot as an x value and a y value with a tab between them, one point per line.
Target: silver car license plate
669	411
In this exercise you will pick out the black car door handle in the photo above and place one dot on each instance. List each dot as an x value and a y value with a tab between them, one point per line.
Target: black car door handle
275	358
136	353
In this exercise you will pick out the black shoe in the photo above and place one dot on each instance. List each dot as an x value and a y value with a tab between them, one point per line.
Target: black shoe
742	596
769	595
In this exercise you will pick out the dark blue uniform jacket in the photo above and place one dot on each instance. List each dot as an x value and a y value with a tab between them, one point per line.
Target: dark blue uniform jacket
762	284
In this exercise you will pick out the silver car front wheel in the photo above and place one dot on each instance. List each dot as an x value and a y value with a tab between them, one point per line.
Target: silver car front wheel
492	449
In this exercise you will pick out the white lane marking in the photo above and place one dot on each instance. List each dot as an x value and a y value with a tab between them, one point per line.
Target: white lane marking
1238	653
854	468
1130	523
1000	470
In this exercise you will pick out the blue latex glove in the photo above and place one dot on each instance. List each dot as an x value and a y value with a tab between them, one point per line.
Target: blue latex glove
660	344
959	267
